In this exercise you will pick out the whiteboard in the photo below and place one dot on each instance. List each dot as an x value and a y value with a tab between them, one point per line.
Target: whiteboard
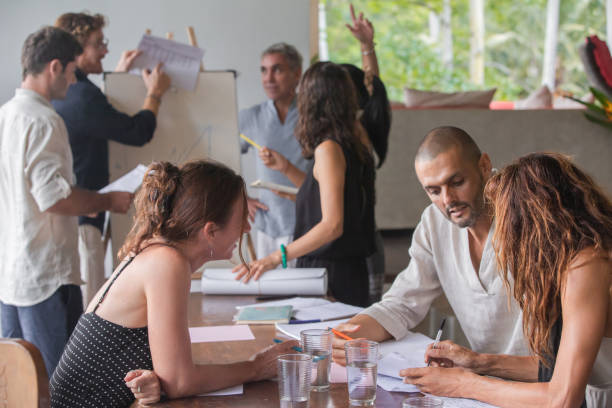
200	124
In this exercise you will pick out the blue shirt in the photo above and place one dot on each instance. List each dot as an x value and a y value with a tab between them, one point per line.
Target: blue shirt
261	124
91	122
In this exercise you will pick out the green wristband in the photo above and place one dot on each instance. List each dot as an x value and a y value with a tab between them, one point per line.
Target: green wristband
284	255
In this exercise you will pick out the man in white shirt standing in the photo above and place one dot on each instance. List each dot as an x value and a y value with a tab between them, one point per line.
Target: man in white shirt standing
451	252
40	297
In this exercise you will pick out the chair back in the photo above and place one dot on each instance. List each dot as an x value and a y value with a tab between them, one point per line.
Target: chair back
23	377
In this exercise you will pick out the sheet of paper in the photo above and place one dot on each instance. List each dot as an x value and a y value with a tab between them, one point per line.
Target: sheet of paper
220	333
394	384
328	311
129	182
180	61
412	346
293	330
297	302
235	390
274	186
391	364
337	373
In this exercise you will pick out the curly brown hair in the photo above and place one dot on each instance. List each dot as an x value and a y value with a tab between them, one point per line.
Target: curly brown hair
546	211
175	203
81	25
327	107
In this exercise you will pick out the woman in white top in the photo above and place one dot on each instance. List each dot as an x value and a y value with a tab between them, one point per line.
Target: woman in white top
553	239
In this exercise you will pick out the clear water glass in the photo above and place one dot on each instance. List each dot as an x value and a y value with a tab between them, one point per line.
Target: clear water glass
294	371
361	370
318	343
422	402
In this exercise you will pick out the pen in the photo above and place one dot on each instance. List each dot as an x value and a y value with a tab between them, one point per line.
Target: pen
296	321
249	141
274	297
438	336
301	350
340	334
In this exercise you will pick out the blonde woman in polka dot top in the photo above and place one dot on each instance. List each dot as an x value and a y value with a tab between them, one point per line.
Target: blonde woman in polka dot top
138	320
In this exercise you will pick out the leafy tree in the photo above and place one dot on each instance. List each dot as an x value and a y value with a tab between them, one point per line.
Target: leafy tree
514	43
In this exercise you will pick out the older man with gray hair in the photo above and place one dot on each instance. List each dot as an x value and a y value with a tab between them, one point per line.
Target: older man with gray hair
271	124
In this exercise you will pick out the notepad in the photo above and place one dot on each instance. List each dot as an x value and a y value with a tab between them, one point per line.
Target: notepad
264	315
274	186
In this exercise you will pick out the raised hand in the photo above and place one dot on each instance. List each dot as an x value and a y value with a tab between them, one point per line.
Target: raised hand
362	29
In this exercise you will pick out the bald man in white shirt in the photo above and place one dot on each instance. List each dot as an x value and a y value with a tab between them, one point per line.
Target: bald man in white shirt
451	252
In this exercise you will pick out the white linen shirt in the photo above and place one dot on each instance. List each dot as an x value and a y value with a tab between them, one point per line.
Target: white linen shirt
38	249
440	261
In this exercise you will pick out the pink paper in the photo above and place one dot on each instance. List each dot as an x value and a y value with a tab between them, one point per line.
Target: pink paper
338	373
220	333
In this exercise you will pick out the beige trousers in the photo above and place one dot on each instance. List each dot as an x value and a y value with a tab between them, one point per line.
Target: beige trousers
91	254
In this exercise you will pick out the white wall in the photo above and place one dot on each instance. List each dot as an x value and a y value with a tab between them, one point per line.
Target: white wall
232	32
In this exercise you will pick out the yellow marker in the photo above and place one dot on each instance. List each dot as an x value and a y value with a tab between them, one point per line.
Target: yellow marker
249	141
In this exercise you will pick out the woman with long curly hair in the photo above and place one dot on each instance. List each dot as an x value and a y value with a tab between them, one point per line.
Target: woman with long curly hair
335	204
553	240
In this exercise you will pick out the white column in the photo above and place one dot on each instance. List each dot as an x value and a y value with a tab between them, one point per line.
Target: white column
608	21
550	45
477	30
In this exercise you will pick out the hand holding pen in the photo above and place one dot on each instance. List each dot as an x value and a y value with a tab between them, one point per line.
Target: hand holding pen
438	337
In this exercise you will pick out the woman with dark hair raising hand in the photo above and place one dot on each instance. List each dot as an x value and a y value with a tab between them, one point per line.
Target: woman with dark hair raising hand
553	240
138	320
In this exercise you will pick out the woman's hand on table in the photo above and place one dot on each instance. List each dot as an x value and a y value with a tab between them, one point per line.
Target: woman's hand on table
256	268
448	382
145	386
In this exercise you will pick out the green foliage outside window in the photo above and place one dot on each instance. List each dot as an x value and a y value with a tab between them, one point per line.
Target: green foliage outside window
514	43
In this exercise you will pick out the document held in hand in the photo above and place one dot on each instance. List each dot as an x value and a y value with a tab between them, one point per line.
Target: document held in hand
274	186
299	281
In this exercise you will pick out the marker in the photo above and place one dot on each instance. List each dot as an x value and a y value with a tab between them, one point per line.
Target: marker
304	321
340	334
438	336
249	141
301	350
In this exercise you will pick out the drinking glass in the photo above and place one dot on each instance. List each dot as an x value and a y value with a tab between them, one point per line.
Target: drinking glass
422	402
361	370
318	343
294	380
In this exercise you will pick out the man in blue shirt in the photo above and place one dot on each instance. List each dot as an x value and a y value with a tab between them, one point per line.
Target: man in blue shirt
271	124
92	121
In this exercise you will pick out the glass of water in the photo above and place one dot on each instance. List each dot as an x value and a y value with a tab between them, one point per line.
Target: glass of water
318	343
294	380
422	402
361	368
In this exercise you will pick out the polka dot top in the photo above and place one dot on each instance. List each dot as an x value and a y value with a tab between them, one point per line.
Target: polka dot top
96	359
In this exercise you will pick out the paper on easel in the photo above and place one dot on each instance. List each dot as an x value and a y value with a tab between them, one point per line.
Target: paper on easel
180	61
274	186
128	182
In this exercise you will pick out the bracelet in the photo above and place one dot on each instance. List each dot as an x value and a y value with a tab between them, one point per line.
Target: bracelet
283	250
370	51
154	97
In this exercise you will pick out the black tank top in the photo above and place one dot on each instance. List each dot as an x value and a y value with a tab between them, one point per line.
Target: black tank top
96	359
357	239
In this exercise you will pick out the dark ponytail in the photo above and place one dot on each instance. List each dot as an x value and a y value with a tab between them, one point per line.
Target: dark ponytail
376	117
174	204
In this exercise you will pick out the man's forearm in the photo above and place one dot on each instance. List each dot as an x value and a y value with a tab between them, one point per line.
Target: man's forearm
81	202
